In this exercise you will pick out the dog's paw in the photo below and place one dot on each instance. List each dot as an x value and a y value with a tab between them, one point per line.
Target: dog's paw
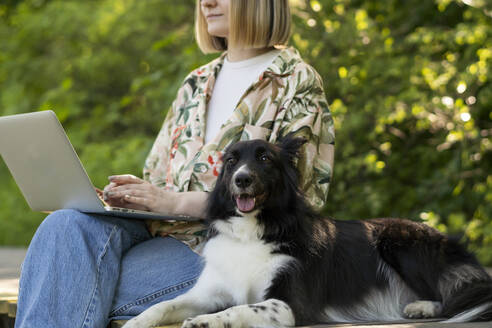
207	321
422	309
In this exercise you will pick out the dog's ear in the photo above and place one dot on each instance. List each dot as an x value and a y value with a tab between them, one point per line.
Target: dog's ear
290	146
218	203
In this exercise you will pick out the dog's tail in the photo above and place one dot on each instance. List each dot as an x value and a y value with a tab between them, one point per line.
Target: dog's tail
466	288
477	299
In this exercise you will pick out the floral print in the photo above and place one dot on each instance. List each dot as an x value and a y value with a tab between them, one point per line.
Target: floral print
287	97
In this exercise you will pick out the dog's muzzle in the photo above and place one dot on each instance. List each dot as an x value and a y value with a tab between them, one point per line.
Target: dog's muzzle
242	187
243	180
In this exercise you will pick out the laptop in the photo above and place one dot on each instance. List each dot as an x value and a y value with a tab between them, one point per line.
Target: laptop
47	170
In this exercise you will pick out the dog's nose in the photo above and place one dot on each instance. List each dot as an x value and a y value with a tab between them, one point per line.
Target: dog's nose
243	180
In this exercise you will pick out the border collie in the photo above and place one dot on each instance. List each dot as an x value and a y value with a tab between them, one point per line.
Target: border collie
271	261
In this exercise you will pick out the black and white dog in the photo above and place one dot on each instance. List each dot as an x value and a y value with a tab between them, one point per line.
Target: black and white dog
273	262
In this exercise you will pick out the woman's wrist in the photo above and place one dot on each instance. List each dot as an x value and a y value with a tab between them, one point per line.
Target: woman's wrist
191	203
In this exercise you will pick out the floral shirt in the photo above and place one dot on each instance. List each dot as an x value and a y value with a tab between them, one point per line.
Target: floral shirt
287	97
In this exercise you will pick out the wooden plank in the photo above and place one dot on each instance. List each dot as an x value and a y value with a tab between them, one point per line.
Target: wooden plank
414	324
377	323
120	323
117	323
12	308
8	287
4	307
4	304
6	322
431	323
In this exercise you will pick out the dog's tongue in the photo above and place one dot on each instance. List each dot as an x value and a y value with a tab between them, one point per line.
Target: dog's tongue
245	203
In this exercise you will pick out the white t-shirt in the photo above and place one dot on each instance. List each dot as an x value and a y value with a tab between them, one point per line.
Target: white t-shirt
232	81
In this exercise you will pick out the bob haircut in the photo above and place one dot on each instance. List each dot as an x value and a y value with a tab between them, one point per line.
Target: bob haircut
252	24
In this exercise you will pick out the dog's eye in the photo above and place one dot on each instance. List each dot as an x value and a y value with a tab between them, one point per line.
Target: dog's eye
263	158
231	161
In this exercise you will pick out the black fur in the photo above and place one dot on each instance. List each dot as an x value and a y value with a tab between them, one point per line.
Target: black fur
338	262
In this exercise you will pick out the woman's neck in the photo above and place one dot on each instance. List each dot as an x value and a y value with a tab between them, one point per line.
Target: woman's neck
234	54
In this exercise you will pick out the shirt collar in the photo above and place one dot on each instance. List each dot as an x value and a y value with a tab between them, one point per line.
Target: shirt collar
283	64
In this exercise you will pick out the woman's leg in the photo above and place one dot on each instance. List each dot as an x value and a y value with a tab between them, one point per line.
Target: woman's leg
71	269
154	271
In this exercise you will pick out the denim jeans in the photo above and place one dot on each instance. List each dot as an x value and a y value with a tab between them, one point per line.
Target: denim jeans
82	270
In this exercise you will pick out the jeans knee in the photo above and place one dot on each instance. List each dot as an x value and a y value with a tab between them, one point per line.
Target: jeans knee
65	223
59	220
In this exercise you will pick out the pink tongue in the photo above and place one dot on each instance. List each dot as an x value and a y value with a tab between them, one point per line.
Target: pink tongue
245	204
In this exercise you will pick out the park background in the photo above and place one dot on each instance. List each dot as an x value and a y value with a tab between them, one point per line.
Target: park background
409	83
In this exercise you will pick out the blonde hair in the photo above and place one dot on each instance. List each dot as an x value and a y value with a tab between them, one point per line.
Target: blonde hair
252	24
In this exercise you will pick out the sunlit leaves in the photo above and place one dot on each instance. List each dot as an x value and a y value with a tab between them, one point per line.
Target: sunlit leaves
316	5
361	19
409	85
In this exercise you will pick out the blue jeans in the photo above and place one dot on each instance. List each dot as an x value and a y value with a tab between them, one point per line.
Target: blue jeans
83	270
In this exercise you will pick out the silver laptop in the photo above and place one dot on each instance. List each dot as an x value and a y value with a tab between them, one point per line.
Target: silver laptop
48	171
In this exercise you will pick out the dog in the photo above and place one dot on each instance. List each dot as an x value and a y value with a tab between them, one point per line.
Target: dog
271	261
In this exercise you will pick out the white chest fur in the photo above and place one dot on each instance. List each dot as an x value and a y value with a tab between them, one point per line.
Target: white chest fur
238	263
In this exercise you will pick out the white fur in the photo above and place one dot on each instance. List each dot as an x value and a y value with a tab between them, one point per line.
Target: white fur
239	269
423	309
380	304
238	243
469	315
242	168
275	314
452	279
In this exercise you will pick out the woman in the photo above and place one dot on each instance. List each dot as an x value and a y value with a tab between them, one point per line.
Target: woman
83	269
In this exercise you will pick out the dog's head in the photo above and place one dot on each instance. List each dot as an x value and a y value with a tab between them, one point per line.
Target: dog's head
256	175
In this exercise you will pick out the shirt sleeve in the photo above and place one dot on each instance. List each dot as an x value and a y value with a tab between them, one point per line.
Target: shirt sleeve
156	162
308	116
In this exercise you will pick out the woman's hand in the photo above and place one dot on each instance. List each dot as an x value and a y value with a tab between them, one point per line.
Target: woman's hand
132	192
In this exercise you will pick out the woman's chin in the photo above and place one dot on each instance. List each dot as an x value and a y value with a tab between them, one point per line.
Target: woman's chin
218	32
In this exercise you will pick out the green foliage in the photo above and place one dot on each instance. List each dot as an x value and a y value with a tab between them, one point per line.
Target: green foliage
409	84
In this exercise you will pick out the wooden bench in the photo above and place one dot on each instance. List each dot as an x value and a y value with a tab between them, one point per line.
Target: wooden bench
8	308
401	324
119	324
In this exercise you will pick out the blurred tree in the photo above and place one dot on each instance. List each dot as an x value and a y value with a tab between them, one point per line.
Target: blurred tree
409	83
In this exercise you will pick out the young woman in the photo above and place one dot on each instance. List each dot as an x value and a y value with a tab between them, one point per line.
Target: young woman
81	270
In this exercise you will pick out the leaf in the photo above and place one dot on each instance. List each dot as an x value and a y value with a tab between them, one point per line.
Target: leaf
259	111
200	167
183	151
230	136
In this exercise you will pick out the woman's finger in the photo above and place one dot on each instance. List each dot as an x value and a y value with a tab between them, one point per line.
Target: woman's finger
107	189
122	191
113	201
136	200
131	187
144	189
109	186
119	200
125	179
131	192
